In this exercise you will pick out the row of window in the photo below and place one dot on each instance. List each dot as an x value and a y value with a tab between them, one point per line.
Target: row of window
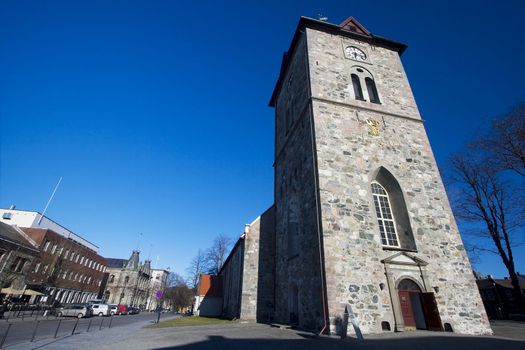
18	264
72	276
73	256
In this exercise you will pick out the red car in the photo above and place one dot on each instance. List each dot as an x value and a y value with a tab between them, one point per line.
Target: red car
122	309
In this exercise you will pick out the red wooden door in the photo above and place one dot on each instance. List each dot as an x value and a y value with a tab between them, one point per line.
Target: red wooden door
406	309
431	312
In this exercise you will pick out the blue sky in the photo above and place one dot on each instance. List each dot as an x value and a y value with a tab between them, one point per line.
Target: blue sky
156	112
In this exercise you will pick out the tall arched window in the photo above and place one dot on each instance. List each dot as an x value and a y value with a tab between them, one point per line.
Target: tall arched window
372	91
385	218
357	87
391	210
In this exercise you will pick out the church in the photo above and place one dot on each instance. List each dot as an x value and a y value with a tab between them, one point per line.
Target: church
361	221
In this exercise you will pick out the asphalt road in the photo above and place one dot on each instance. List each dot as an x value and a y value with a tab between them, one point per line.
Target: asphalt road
22	331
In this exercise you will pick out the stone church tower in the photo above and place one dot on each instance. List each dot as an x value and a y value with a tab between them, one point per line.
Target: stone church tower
362	218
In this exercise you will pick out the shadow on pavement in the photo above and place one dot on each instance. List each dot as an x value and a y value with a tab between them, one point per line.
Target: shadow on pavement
427	343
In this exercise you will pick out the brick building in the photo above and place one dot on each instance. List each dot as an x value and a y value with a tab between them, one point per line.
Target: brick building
67	267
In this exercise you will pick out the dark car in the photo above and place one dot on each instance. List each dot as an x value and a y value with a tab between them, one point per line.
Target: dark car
133	310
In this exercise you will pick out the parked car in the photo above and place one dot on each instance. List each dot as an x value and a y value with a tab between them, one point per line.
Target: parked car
113	309
101	309
76	310
122	309
133	310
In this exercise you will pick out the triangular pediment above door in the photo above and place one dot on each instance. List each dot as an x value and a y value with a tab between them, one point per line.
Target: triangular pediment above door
403	258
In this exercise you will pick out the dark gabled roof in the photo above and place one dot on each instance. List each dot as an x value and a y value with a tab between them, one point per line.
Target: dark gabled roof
118	263
344	29
12	235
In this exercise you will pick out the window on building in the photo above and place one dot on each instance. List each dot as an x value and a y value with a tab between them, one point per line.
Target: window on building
6	216
37	267
358	91
81	260
54	249
385	218
46	245
391	211
44	270
372	91
71	275
66	254
15	263
77	257
64	275
111	278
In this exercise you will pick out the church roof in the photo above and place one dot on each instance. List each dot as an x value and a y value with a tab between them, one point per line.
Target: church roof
134	261
350	28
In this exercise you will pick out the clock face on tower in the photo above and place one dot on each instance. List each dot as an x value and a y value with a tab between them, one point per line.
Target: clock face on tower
354	53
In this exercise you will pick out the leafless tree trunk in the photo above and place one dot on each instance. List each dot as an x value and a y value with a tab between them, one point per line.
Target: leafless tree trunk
196	267
217	253
484	198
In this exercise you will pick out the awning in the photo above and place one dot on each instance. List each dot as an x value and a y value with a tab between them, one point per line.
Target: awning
20	291
11	291
31	292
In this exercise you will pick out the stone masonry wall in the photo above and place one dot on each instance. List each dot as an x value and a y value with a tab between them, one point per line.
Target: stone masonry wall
232	280
266	271
250	272
348	158
297	257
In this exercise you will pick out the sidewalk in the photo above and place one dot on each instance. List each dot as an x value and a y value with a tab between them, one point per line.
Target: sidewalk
263	337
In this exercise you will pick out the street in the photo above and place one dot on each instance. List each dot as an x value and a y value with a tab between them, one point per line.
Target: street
23	331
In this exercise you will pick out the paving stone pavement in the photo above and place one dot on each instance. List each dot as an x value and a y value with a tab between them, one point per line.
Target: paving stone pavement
262	337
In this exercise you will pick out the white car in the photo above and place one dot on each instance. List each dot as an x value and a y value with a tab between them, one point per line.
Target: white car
101	309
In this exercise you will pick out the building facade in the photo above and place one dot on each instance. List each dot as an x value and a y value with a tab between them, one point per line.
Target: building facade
362	222
128	281
157	287
67	267
17	253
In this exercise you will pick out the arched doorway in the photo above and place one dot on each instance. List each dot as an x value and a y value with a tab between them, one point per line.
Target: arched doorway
411	305
419	309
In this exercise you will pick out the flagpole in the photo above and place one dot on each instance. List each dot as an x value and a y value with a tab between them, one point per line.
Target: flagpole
49	201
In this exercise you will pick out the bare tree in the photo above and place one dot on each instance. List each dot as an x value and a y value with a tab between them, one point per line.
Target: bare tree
505	142
196	268
178	292
174	280
486	201
217	253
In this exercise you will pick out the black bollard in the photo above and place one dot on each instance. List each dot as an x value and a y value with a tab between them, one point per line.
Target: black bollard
34	332
100	326
75	326
58	326
110	321
89	325
5	335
